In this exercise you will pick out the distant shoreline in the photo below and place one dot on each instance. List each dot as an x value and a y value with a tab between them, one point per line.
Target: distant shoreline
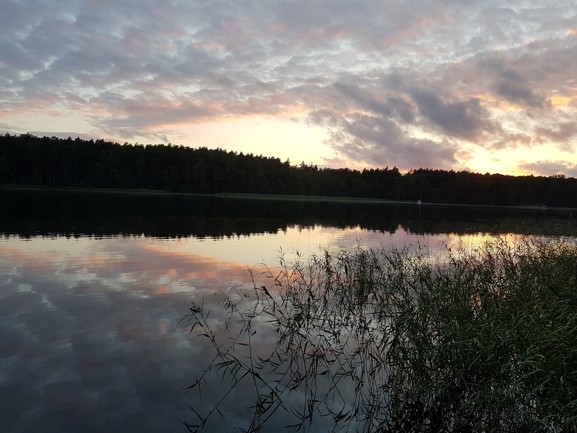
381	201
280	197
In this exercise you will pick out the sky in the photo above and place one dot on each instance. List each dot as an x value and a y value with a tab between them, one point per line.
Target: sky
477	85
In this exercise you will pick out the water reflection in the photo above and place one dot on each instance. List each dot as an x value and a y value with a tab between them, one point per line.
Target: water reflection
91	293
29	213
89	333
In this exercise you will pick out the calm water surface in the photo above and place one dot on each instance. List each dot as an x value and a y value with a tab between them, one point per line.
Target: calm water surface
93	287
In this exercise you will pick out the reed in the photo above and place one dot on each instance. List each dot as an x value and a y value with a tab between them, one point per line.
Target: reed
398	341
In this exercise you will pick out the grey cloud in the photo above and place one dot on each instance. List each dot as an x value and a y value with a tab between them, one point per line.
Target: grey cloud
376	130
394	104
525	80
65	134
462	119
16	61
6	128
409	153
563	134
551	66
384	104
517	93
325	118
402	109
14	17
378	141
510	140
550	168
134	112
524	76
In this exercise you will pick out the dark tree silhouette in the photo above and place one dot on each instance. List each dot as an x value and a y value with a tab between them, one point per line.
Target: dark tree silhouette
55	162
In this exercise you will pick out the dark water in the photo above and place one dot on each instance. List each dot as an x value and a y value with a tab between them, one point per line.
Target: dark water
30	213
92	287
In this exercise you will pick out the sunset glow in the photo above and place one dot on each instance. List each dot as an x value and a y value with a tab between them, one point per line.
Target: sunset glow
475	86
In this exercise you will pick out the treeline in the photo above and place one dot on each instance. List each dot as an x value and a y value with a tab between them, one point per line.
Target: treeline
55	162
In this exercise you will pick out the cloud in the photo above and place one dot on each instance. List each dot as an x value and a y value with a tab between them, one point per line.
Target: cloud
62	134
550	168
378	100
462	119
517	93
467	73
377	141
563	133
507	80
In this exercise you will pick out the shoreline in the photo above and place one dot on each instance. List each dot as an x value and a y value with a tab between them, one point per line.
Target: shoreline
279	197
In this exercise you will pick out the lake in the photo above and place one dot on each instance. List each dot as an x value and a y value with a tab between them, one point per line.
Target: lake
93	287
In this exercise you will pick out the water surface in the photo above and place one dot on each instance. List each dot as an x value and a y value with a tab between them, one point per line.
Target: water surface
92	287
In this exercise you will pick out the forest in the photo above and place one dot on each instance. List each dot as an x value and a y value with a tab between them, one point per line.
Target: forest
55	162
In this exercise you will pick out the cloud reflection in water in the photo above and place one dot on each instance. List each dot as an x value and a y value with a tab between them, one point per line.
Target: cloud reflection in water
89	335
90	338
